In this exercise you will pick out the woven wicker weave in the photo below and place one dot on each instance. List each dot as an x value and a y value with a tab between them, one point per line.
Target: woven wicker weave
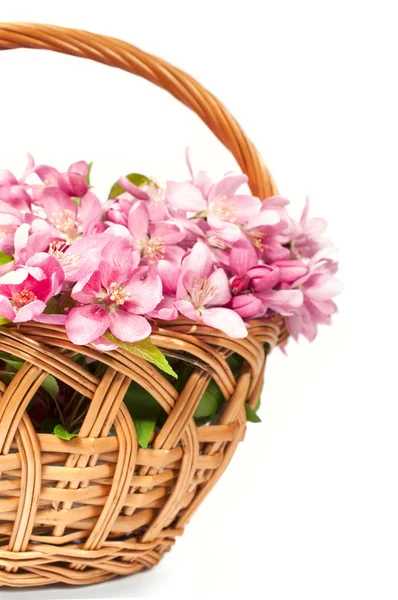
86	510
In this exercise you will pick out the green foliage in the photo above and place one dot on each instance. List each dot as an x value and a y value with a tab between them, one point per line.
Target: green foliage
251	414
4	258
144	349
62	433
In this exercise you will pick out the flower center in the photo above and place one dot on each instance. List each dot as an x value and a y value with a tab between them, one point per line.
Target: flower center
23	298
154	249
65	222
58	249
223	211
202	292
117	295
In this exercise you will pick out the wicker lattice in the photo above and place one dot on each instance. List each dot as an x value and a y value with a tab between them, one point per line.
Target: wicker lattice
98	506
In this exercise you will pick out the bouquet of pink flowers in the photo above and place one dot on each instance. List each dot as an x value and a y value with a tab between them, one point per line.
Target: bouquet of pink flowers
196	248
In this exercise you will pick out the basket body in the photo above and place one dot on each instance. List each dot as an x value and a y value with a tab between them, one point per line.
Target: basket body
98	506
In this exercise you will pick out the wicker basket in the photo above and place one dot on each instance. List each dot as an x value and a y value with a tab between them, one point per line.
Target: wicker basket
86	510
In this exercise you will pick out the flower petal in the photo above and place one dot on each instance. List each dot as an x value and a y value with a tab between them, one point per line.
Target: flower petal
29	311
225	320
128	327
187	309
88	288
138	221
219	280
86	323
185	197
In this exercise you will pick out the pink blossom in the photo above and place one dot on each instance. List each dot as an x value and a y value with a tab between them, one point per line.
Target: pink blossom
156	241
319	287
169	274
308	240
151	193
14	191
115	296
202	293
72	183
226	211
256	282
68	219
25	291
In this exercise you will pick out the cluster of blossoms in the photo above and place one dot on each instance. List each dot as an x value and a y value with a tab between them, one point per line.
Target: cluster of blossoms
195	248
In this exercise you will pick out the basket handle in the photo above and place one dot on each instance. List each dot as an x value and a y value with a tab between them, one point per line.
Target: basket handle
116	53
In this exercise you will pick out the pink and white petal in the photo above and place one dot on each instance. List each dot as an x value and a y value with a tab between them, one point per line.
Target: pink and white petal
81	168
244	208
117	261
174	255
323	287
284	302
145	294
132	189
196	265
55	202
247	306
88	288
170	233
86	323
29	311
89	209
226	231
51	319
264	218
225	320
48	175
128	327
219	280
138	221
242	256
187	309
6	309
103	345
185	197
169	274
7	178
166	310
14	277
226	187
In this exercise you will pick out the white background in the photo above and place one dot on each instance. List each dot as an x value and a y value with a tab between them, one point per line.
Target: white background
308	507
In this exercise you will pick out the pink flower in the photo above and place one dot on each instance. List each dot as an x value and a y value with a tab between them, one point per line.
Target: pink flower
169	274
256	282
203	291
151	193
68	219
14	191
308	240
319	287
72	183
156	241
114	297
225	210
25	291
267	230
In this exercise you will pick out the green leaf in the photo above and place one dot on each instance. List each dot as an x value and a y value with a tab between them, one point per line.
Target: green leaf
4	258
135	178
144	429
4	321
144	349
207	406
235	363
144	411
61	432
50	384
88	178
11	361
251	414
